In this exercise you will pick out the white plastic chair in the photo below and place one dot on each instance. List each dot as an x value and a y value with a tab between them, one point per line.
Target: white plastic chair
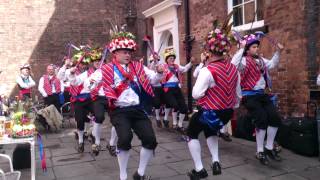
11	175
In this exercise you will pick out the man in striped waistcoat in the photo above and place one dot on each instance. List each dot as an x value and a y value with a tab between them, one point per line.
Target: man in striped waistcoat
50	87
80	93
171	82
217	91
127	84
255	80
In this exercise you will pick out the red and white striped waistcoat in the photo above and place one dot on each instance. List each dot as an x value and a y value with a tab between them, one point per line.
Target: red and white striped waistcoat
108	79
223	94
76	90
251	74
95	92
169	73
47	84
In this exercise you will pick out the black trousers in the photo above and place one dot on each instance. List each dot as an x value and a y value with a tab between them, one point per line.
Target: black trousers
131	118
159	97
174	98
67	96
262	110
53	99
99	109
195	126
81	111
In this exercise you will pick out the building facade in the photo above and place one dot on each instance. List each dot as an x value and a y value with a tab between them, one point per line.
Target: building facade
38	31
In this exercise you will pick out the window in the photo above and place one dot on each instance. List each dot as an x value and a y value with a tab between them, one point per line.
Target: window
246	13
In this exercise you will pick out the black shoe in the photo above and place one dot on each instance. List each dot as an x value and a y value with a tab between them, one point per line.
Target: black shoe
112	150
225	136
262	158
165	123
81	148
86	135
216	168
76	136
194	175
95	149
136	176
181	130
272	154
159	124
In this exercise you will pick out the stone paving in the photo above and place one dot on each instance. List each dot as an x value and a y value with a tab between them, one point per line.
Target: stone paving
171	162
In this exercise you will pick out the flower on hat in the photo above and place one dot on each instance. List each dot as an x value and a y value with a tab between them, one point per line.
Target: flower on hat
169	52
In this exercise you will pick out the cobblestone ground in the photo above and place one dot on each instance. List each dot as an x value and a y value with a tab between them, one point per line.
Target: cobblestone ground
171	162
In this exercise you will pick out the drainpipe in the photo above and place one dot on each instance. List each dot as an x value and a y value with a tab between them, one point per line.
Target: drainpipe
188	47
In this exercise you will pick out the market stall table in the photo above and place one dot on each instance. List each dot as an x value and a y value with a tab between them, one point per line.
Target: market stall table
8	140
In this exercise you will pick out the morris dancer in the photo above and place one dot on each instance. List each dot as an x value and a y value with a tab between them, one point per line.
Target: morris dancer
218	91
254	81
172	87
126	84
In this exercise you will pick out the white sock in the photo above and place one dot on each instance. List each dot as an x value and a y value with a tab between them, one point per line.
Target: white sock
223	129
80	136
166	113
195	151
123	158
113	137
213	146
86	126
260	134
181	118
157	111
174	118
271	134
145	156
97	132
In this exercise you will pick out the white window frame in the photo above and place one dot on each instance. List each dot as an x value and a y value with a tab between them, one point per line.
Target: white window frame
247	26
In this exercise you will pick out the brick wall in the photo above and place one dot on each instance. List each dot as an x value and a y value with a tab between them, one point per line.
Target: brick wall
287	21
37	31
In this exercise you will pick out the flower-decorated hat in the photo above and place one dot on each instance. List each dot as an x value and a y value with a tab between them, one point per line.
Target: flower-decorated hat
95	54
81	57
169	52
251	39
122	40
219	40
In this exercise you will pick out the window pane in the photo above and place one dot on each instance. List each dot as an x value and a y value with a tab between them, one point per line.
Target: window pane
260	6
236	2
249	12
237	16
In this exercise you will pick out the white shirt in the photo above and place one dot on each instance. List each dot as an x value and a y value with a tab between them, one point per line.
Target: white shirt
63	76
182	69
206	81
318	80
197	70
25	85
77	80
41	87
270	64
97	75
128	97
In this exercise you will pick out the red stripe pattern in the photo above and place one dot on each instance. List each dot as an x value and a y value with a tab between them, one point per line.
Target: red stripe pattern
76	90
168	74
108	79
251	74
223	94
48	83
